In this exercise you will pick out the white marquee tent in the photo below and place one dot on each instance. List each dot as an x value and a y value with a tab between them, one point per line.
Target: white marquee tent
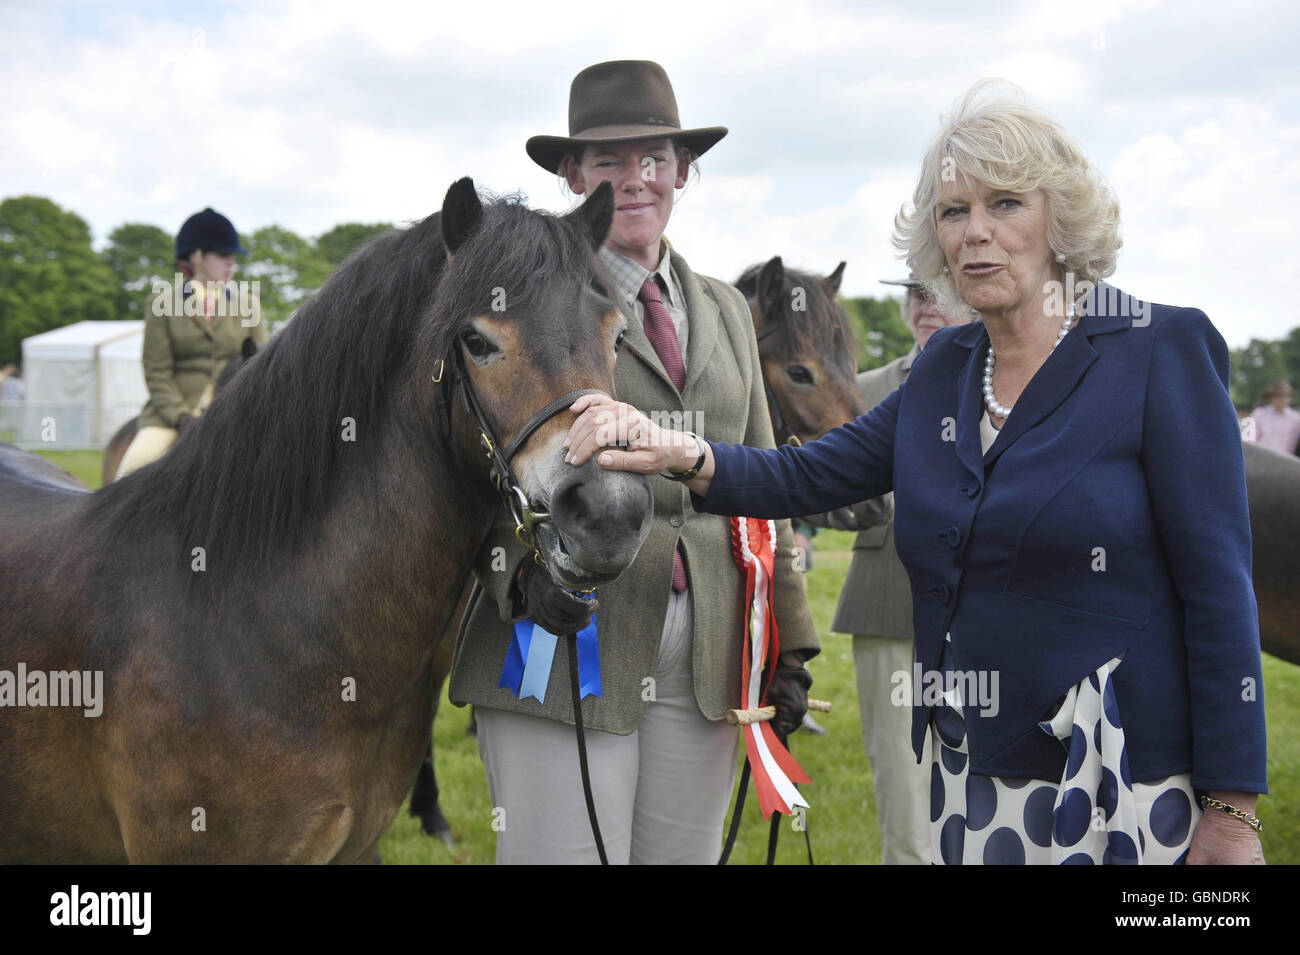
83	381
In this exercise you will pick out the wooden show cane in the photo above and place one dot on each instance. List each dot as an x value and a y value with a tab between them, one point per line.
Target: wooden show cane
761	714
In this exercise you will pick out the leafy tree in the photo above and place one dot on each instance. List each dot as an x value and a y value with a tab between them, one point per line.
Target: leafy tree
138	253
882	333
342	240
49	274
289	267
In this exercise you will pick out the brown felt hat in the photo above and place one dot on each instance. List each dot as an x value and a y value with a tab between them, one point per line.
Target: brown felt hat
911	282
620	102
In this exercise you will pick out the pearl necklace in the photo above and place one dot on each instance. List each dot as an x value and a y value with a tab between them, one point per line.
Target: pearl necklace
1001	411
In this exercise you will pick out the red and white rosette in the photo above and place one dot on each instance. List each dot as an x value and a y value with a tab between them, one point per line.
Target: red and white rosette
753	544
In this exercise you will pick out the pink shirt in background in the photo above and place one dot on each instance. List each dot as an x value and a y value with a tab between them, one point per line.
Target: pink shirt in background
1279	430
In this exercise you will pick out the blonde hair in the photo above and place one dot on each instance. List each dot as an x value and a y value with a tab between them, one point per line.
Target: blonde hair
994	139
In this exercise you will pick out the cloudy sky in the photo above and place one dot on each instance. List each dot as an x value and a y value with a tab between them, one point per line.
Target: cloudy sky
310	114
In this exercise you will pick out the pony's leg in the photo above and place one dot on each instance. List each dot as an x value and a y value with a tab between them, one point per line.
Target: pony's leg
424	797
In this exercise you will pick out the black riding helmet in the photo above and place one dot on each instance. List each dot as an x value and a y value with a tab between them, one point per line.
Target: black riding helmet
210	231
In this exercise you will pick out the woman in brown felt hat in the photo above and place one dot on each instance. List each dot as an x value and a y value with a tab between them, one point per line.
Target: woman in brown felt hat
662	756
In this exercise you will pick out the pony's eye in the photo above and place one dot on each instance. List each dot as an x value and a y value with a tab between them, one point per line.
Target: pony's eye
478	346
799	375
619	341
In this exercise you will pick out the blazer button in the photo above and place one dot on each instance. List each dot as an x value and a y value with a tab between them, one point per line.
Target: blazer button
675	520
951	537
941	592
971	490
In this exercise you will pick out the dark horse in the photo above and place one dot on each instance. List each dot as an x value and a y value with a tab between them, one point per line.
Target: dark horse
266	658
1273	486
807	349
122	439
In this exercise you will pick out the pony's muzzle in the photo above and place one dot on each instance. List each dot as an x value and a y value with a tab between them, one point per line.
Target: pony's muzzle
601	519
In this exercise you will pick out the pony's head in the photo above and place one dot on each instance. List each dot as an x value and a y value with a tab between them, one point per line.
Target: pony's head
806	346
523	314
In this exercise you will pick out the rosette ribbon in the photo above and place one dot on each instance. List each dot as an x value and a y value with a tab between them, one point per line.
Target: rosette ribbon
775	771
527	669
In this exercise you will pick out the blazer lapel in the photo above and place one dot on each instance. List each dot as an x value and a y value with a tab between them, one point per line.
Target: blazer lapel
970	399
1104	311
1051	385
702	313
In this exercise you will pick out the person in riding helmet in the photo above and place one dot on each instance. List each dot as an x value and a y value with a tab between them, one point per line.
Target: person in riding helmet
189	337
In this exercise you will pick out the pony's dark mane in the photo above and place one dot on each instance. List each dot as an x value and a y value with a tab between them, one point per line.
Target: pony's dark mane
263	463
823	328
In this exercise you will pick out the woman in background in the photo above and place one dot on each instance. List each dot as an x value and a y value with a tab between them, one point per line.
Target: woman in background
185	348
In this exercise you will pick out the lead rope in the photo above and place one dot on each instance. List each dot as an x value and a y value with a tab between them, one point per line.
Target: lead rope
582	747
772	832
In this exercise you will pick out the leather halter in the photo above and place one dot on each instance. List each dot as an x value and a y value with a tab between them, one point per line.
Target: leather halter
779	423
526	514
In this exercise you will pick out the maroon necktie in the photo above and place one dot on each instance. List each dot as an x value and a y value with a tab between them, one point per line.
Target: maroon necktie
659	329
663	336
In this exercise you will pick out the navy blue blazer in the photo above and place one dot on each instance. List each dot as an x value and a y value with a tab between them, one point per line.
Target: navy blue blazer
1108	519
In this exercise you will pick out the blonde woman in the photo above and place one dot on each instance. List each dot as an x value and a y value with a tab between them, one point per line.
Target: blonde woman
1070	505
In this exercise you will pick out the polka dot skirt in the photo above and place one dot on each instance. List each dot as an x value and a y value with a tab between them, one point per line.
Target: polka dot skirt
1095	815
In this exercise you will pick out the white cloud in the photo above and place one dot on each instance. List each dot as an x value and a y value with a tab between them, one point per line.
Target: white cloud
1210	219
311	114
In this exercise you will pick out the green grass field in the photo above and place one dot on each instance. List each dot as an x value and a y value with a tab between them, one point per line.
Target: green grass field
842	820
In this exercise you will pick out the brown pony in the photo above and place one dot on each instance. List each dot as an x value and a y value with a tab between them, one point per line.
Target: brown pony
261	604
807	349
808	354
120	441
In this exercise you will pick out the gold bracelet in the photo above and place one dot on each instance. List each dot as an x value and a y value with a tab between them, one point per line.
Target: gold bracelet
1209	802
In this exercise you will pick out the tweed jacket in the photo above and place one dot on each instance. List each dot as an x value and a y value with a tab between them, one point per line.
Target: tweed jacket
877	598
1108	519
724	397
183	353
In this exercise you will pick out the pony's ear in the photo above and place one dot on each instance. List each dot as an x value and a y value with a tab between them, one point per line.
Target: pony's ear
771	283
596	215
248	349
461	214
833	280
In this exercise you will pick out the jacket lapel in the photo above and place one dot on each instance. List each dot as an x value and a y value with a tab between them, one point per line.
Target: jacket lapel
702	313
200	322
1050	386
970	399
1063	370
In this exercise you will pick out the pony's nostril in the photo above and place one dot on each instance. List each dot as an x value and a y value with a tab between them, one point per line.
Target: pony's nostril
590	505
573	504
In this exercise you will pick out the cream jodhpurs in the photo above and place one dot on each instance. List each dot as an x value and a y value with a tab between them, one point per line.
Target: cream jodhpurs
149	445
661	793
902	787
